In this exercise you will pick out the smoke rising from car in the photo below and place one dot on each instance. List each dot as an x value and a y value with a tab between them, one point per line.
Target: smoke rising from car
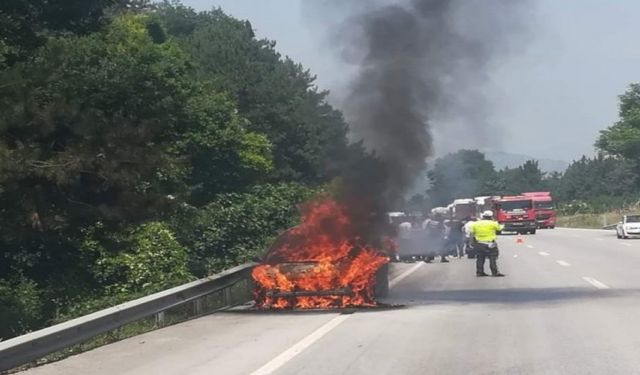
417	63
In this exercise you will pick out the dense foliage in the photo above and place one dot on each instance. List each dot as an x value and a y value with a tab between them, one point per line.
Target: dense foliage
610	180
589	185
142	147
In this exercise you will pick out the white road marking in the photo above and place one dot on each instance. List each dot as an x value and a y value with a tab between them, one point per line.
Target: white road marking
563	263
544	253
530	246
405	274
284	357
625	244
515	255
599	239
595	282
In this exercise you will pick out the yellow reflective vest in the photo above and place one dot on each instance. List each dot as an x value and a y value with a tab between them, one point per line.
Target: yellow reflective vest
486	230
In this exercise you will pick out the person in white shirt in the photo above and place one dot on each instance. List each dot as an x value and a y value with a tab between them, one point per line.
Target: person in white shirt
468	237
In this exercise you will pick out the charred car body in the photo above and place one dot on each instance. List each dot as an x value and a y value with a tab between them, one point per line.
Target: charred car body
320	264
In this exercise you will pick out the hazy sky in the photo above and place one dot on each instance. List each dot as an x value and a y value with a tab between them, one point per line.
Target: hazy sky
550	97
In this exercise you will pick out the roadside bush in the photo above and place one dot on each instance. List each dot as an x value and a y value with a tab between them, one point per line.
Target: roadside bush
20	307
153	260
237	227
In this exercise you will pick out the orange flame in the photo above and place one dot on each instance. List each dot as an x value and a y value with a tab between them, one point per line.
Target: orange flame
318	264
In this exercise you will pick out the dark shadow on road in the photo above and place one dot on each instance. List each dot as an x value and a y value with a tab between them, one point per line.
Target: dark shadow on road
517	296
249	309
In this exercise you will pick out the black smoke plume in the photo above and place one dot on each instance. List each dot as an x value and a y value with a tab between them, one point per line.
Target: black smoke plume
415	60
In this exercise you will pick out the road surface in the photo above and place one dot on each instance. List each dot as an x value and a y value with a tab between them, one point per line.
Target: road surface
569	305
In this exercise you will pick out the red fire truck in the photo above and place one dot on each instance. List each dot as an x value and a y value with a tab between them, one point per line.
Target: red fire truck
516	213
543	205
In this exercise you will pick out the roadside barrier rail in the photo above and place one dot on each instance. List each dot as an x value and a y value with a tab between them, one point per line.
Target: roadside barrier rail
32	346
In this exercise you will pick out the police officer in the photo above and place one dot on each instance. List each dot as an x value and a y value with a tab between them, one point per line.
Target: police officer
485	232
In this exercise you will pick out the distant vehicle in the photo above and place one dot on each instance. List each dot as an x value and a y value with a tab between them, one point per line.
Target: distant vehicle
485	203
516	213
461	209
543	206
629	226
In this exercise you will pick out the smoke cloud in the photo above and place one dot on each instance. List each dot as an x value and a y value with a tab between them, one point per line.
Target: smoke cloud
417	62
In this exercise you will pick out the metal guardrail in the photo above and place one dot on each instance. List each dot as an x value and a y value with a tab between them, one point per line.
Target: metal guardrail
32	346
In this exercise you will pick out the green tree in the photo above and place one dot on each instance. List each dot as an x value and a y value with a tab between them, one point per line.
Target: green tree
463	174
113	128
140	148
276	95
238	227
603	182
527	177
25	24
623	137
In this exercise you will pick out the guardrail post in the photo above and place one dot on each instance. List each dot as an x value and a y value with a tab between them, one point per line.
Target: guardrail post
197	306
226	296
160	319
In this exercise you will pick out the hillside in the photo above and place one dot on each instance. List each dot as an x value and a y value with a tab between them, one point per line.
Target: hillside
503	160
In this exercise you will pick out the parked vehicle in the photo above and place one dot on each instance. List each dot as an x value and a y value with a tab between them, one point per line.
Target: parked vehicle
629	226
543	206
516	213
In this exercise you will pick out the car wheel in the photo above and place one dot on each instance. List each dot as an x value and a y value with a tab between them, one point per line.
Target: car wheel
533	231
618	235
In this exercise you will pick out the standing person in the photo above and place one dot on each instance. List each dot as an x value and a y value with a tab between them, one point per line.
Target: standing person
485	233
435	238
455	237
468	238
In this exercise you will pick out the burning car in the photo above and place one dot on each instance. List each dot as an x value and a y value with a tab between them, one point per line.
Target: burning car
320	264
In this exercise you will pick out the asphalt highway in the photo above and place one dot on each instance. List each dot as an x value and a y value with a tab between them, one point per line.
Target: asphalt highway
569	305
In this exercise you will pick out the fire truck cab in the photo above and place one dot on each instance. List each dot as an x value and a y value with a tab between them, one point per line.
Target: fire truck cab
516	213
543	206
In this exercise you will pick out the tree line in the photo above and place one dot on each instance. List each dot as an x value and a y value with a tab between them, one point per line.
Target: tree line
143	146
609	180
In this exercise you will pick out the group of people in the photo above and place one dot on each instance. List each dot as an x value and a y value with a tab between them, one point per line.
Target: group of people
439	237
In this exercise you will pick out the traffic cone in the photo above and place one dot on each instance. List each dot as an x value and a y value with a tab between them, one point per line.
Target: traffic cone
519	239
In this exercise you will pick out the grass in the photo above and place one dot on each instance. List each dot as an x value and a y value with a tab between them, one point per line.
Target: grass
596	221
599	220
